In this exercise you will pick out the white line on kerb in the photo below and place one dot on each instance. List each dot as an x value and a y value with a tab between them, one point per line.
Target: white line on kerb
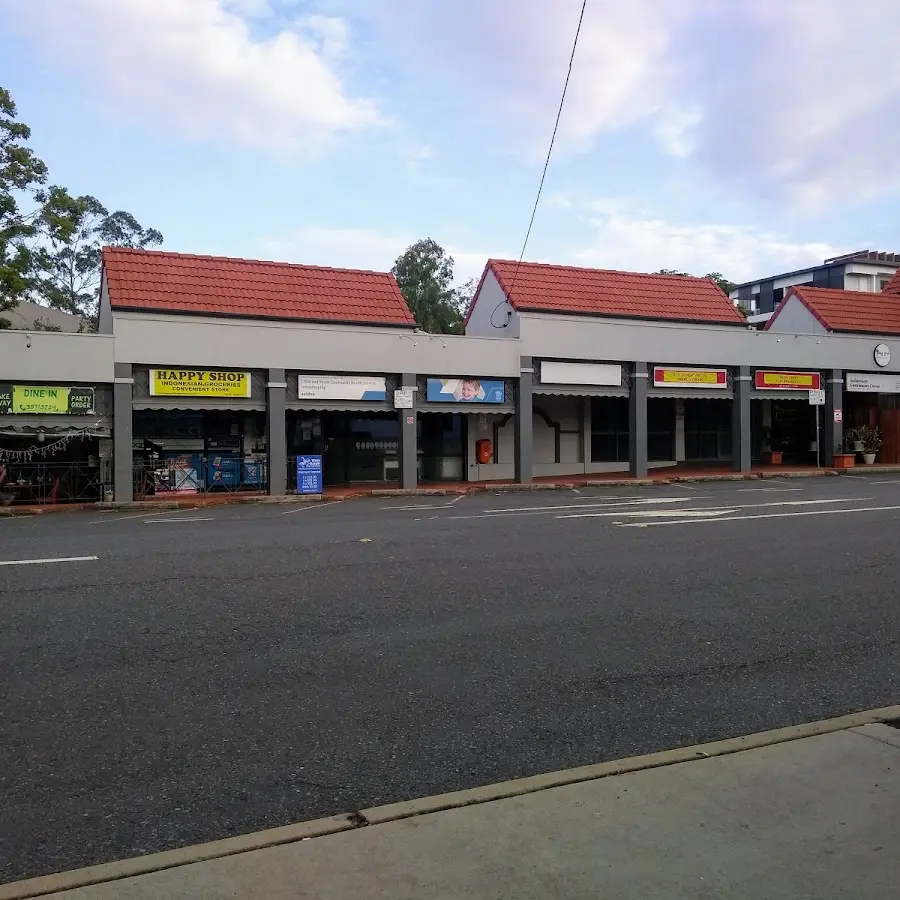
782	515
310	506
186	519
37	562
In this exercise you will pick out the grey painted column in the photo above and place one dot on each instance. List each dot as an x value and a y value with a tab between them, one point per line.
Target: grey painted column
740	421
123	465
276	431
833	432
637	422
524	423
409	441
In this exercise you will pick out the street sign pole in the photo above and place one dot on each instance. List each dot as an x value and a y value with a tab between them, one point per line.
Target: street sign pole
817	399
818	448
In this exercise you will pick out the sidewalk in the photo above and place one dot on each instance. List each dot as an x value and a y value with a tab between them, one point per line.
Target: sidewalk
675	475
800	813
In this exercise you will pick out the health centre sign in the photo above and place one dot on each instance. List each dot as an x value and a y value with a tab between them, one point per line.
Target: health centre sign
199	383
34	399
341	387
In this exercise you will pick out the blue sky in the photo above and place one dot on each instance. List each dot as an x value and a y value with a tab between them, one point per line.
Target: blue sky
745	136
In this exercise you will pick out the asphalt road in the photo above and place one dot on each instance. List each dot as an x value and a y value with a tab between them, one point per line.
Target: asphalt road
220	671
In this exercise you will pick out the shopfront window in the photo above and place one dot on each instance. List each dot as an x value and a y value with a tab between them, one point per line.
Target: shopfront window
609	429
441	445
355	448
660	429
707	429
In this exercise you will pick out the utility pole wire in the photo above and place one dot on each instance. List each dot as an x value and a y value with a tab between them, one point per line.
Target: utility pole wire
562	102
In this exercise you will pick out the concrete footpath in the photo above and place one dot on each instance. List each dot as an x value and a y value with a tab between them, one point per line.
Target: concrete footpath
811	811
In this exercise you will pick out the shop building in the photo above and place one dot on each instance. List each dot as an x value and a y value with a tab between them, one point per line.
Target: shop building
871	389
604	410
216	374
56	416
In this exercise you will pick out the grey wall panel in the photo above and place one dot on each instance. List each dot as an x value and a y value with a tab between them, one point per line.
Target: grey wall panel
576	337
50	356
211	343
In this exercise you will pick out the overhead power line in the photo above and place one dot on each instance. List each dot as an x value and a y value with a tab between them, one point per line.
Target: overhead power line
562	102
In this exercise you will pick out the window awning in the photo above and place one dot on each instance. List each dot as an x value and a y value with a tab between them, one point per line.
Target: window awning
361	406
198	405
55	426
578	390
675	393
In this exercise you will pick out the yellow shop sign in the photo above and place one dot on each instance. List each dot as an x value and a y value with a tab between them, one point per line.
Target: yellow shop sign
198	383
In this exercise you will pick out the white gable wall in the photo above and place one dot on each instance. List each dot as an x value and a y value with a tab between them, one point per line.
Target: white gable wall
795	318
492	312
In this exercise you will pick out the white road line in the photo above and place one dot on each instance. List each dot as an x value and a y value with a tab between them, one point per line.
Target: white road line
684	487
610	501
784	515
185	519
670	513
456	499
124	518
309	506
729	508
544	510
767	490
37	562
895	481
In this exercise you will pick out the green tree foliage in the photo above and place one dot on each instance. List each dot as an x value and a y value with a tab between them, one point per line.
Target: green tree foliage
22	177
726	285
425	273
68	265
50	241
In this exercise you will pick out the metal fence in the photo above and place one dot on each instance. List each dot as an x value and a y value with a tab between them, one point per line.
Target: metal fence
52	482
200	473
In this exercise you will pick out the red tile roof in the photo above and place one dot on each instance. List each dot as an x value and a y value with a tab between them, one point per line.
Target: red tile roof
893	286
217	286
600	292
852	311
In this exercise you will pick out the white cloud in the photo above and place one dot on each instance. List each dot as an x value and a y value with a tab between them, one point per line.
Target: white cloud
635	242
195	65
797	99
359	248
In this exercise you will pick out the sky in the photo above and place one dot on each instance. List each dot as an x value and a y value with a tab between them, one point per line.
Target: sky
748	137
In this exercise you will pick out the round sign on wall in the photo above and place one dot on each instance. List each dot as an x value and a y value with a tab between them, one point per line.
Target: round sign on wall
882	355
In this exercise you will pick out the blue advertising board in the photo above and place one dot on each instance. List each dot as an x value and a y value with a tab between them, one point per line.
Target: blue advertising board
465	390
309	474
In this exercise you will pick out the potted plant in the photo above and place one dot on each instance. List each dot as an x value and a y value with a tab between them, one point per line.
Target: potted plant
870	436
854	443
771	456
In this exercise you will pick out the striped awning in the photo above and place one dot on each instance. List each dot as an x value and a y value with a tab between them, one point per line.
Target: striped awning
674	393
55	426
225	404
578	390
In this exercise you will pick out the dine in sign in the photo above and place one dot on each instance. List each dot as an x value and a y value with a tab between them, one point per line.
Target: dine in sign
199	383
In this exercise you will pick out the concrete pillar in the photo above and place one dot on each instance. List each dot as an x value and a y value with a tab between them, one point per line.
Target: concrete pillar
524	423
741	445
832	431
637	422
123	464
409	443
276	405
